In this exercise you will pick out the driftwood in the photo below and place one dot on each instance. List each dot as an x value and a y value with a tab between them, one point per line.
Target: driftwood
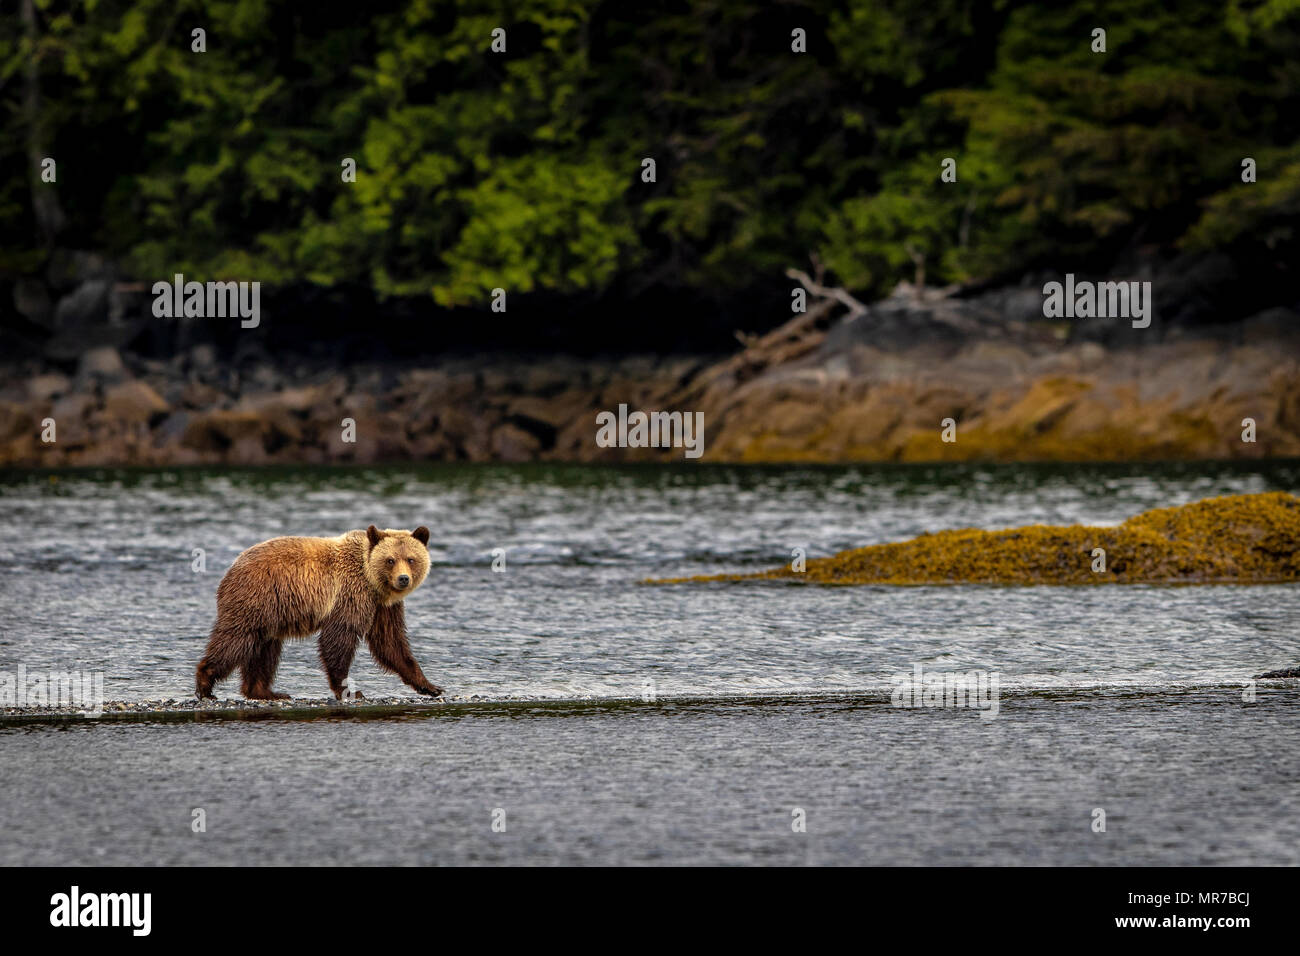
827	293
797	337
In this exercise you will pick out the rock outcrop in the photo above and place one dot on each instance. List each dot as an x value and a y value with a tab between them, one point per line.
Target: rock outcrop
878	384
879	387
1241	539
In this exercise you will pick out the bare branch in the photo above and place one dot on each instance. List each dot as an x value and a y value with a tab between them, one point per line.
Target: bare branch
839	295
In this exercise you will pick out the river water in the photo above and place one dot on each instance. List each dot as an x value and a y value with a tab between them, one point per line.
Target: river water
620	722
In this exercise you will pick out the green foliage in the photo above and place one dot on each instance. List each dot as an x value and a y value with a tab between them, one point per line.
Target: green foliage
1266	210
1098	144
522	170
538	222
1075	151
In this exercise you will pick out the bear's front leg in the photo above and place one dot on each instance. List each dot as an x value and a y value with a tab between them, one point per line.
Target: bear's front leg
392	651
337	645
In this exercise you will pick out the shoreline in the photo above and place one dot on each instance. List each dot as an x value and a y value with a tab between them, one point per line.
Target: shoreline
172	710
857	390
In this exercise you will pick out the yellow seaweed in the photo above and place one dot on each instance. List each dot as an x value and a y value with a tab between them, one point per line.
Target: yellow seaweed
1235	539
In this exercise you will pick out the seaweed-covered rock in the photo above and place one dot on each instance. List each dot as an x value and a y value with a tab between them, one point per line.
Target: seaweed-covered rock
1233	539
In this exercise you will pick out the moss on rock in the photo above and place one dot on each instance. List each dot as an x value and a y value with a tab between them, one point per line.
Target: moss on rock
1233	539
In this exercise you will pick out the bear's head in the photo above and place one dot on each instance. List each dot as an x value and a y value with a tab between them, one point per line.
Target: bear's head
397	561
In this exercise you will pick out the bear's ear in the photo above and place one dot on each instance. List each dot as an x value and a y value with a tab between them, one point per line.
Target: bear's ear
374	534
421	534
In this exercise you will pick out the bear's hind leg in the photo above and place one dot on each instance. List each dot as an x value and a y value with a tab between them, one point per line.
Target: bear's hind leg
259	672
214	667
227	649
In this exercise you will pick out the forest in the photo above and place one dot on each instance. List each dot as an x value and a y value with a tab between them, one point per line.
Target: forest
429	152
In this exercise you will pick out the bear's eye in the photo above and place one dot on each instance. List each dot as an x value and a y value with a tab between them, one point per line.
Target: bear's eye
391	562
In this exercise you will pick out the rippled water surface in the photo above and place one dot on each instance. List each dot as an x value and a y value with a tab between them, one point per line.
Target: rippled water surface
768	696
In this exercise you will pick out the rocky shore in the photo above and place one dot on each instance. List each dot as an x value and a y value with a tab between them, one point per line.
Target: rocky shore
189	708
116	410
872	385
879	387
1238	539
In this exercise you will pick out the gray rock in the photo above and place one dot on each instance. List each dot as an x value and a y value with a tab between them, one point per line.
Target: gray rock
134	402
32	301
68	345
1285	672
44	387
72	408
125	299
86	304
104	363
172	428
1021	305
511	443
203	357
1270	326
263	377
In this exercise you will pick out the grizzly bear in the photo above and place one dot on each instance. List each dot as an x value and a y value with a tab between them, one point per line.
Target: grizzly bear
345	587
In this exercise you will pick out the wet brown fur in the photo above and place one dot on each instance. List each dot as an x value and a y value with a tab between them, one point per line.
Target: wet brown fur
346	587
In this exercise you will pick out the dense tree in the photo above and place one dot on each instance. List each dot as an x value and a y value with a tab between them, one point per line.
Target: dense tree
521	168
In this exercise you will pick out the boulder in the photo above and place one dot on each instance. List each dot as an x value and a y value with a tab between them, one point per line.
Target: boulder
198	395
32	301
86	304
16	420
104	363
203	358
41	388
218	431
511	443
171	430
133	402
72	408
301	401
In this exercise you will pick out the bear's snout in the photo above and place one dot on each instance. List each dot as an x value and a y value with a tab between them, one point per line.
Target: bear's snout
403	580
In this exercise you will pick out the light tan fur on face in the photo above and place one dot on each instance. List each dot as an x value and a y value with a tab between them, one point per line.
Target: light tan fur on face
392	555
